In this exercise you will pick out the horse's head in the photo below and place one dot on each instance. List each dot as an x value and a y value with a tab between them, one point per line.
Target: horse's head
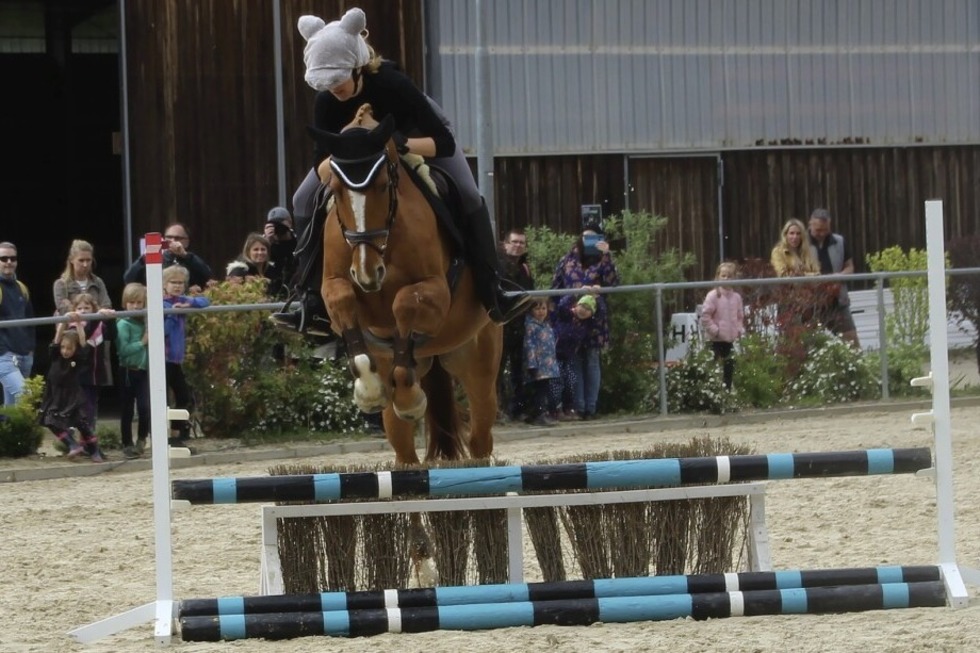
362	173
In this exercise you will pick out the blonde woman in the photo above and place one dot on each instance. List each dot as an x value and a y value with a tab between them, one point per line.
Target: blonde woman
79	278
792	256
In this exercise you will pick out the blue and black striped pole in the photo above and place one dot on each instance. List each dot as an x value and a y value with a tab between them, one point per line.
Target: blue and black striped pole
565	612
557	590
483	481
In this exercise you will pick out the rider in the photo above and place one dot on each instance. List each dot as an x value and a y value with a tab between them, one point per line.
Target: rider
347	73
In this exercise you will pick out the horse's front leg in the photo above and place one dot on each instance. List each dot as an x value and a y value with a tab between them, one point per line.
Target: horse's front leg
420	310
369	389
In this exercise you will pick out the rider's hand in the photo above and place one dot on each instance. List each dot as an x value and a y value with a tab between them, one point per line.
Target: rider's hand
401	142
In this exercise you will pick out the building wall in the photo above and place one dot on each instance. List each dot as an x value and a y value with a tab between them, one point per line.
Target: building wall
586	76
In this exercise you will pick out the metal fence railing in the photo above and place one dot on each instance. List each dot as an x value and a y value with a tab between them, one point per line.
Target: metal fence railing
659	319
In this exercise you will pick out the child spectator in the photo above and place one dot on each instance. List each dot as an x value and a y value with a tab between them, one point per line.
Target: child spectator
64	407
96	370
572	324
175	338
723	320
540	363
134	379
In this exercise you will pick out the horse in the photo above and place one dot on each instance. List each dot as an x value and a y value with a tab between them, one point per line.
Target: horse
396	293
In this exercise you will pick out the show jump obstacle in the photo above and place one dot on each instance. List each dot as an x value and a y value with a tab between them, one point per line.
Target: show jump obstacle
568	603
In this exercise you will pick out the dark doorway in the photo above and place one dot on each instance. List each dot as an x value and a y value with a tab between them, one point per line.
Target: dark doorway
63	175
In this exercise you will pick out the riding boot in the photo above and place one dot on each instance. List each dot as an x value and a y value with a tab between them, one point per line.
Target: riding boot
481	251
309	316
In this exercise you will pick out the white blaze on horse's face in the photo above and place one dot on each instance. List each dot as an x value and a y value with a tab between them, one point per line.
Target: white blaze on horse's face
366	270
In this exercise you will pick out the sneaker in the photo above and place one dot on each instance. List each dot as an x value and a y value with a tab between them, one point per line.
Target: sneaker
97	457
140	446
76	451
130	453
570	416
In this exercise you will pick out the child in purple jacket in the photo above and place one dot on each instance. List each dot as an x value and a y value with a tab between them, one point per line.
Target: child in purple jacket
723	320
175	280
572	323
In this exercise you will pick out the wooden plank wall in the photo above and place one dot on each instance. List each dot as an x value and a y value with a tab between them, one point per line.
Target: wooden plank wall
202	108
203	123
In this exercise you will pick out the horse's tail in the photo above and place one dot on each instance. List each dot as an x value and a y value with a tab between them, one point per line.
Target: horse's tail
443	424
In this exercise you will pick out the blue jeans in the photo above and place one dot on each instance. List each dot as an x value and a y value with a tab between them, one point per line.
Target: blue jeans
585	365
13	370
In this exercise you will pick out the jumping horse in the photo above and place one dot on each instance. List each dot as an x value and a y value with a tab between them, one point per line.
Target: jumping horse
396	292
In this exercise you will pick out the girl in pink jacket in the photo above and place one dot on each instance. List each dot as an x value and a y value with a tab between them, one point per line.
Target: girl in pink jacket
723	320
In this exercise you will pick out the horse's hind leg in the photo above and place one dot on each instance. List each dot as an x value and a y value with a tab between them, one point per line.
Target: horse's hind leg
369	389
475	366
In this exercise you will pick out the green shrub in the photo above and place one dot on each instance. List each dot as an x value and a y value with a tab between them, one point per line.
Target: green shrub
832	372
695	385
907	325
760	374
905	362
20	433
309	397
239	385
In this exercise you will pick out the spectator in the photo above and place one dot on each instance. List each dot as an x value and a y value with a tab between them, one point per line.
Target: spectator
134	379
96	368
723	320
178	252
347	73
79	278
792	255
540	363
253	263
572	323
64	406
589	265
279	232
175	343
16	343
513	262
834	256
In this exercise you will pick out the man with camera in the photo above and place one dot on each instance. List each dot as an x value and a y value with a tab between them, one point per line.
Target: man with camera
177	252
279	232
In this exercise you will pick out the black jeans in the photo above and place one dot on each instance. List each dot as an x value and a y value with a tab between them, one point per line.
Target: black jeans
177	383
723	350
134	390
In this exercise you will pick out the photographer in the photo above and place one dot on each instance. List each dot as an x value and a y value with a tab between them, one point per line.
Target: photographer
177	252
279	232
589	265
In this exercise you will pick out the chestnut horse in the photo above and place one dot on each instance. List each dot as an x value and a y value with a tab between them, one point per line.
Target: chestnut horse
386	270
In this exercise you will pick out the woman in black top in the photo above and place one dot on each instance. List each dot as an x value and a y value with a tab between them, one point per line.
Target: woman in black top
347	73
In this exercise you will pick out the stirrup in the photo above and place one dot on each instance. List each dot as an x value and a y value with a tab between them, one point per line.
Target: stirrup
506	309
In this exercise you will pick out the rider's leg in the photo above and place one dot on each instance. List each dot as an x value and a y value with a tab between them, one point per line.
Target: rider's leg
304	311
481	246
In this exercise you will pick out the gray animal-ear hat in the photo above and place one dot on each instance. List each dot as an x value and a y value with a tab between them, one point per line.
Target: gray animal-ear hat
333	50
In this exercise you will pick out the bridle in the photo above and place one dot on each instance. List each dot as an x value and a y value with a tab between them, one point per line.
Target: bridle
345	170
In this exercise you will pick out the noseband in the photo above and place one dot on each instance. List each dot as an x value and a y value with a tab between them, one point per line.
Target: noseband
358	174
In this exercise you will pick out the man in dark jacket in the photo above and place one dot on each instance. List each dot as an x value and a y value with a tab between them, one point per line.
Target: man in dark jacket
177	253
16	343
513	263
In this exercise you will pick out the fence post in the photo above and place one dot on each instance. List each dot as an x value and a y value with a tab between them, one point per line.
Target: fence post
661	354
882	337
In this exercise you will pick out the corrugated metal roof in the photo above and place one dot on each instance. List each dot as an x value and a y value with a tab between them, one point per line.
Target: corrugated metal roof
661	75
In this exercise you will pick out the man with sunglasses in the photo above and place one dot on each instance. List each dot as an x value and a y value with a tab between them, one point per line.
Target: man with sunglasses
177	252
16	343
